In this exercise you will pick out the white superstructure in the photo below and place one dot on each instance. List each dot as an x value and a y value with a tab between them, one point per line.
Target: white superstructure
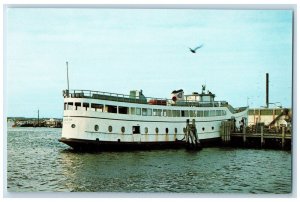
101	120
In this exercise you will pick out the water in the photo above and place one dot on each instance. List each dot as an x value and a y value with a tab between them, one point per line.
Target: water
36	161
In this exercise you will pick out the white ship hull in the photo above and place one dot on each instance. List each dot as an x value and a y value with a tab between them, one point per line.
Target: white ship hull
85	127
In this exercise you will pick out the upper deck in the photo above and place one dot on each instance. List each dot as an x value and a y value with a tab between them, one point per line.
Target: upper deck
141	99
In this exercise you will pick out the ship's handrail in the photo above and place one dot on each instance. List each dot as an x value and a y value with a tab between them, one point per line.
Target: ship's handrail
140	100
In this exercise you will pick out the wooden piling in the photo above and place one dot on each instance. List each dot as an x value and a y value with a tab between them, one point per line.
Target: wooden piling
283	138
244	136
262	141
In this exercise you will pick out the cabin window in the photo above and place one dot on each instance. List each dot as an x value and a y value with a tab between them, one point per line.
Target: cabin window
169	113
206	113
175	130
123	129
218	112
132	110
200	113
159	112
110	128
149	112
167	130
156	130
154	112
123	110
176	113
70	105
184	113
146	130
86	105
96	127
136	130
164	112
111	109
192	113
224	112
144	112
213	113
97	107
77	104
138	111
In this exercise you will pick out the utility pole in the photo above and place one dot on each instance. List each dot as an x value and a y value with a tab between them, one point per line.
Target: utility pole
267	90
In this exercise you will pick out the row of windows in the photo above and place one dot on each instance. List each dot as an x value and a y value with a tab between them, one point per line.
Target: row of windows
142	111
136	129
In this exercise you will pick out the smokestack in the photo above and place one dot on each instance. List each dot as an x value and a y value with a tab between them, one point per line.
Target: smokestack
267	90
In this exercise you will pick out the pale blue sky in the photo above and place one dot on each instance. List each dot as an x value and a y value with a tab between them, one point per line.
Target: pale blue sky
117	50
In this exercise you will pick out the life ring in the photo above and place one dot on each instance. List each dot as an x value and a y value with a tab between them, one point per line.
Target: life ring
174	98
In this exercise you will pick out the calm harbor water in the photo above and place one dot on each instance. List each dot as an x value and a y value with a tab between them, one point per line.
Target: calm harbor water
36	161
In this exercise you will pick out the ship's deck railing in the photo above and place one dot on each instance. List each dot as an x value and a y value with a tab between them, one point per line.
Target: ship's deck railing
142	100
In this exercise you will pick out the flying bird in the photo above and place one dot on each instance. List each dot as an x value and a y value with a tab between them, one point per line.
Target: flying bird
195	49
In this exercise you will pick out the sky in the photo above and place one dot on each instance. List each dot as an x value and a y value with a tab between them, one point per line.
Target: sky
118	50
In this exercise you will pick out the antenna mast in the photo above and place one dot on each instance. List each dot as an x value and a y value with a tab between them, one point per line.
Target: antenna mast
67	75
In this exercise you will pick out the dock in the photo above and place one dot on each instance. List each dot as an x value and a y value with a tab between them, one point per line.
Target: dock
259	136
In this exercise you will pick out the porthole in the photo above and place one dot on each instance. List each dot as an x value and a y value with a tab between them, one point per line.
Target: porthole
96	127
123	129
146	130
110	128
167	130
212	128
175	130
73	125
156	130
203	128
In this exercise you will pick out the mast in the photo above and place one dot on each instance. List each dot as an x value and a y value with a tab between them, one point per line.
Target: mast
67	75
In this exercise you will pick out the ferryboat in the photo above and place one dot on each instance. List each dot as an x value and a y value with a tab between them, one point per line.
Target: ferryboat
95	120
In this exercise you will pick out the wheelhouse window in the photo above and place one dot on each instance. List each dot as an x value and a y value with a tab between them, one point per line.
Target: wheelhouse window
123	110
97	107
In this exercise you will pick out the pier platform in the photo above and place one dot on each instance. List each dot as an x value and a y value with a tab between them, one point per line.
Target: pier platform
262	138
